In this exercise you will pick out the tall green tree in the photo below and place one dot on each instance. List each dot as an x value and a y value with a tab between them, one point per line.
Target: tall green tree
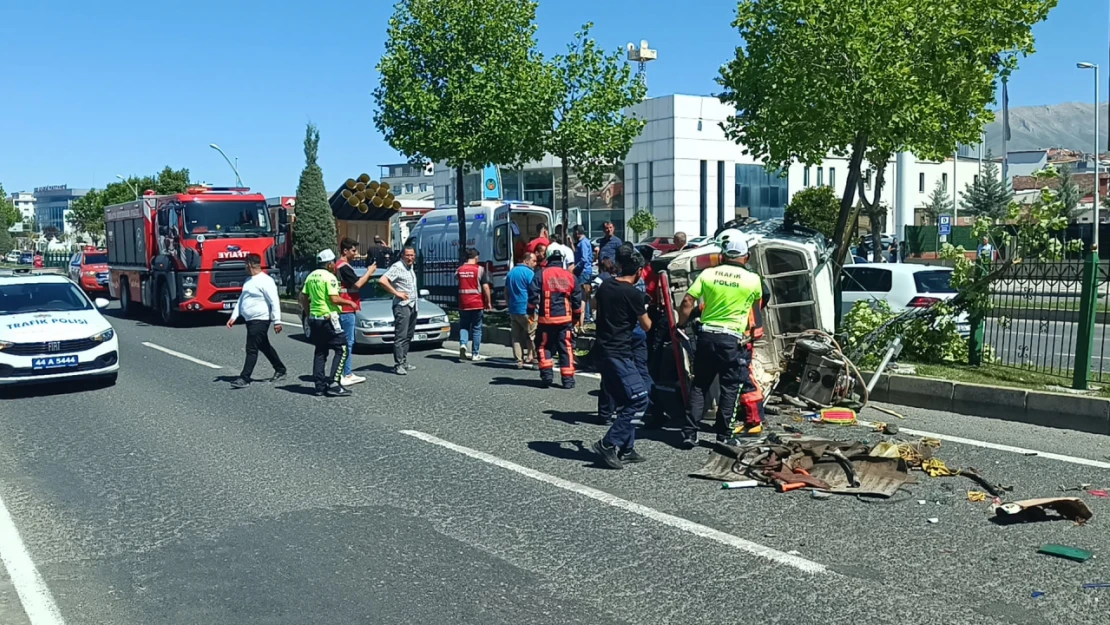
8	211
869	79
816	208
1068	192
939	203
988	196
463	83
592	134
6	243
314	227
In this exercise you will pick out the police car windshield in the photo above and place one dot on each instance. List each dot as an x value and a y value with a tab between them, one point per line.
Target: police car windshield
96	259
17	299
215	218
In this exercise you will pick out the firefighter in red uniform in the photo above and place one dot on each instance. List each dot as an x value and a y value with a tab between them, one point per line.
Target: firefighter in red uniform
555	304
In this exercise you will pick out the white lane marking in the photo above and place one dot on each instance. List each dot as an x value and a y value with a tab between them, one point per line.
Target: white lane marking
587	374
996	446
756	549
165	350
37	601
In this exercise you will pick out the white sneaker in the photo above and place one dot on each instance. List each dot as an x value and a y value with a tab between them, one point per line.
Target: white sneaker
350	380
477	357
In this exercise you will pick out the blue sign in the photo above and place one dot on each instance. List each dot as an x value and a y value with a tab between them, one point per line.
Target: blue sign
491	183
945	225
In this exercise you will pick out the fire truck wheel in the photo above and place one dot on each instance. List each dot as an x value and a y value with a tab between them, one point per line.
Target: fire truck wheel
165	306
126	305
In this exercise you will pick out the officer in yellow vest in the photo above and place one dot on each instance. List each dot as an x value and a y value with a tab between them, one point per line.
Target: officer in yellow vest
731	292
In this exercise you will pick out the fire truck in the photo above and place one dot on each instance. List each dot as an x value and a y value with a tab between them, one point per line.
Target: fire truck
186	252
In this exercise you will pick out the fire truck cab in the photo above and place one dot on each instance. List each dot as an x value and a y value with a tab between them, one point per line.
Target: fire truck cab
185	252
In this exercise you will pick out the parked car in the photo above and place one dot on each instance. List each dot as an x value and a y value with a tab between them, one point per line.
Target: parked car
26	258
89	269
12	257
374	323
663	244
902	286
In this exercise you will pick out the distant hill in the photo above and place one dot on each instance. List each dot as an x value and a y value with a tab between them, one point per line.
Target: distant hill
1069	125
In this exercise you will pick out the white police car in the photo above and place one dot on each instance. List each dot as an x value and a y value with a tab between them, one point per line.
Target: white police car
51	330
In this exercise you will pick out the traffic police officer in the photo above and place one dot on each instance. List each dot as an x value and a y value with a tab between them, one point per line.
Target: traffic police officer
322	303
730	292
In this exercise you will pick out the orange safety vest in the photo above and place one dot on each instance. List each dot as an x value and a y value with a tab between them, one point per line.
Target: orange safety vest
347	294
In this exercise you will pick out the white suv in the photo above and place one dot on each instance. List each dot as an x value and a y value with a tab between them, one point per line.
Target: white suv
901	285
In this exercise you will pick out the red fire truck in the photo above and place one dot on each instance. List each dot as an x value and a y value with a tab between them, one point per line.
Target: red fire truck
186	252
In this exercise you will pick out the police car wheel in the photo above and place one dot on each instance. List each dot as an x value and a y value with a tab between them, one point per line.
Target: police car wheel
305	327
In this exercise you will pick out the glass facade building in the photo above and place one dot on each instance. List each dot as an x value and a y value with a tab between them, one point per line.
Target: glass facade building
52	204
763	193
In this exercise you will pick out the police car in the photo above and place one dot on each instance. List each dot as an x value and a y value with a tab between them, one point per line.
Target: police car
51	330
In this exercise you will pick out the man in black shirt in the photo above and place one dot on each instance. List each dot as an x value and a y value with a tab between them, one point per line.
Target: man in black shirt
621	306
383	256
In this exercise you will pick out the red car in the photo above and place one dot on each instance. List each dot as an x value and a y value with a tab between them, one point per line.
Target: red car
89	269
663	244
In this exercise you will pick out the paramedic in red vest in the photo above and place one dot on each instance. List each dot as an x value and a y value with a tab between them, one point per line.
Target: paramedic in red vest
555	303
724	348
474	300
349	287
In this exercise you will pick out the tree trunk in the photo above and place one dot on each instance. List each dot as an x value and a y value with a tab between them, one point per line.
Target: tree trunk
566	202
460	205
877	234
840	242
875	209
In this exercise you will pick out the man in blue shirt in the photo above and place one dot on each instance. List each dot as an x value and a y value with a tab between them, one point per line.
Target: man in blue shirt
523	330
583	265
609	244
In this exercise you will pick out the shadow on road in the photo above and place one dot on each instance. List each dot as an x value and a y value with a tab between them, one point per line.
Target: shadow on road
574	418
298	389
564	450
52	390
506	381
377	367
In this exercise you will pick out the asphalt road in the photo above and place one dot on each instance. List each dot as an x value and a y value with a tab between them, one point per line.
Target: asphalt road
1046	346
462	494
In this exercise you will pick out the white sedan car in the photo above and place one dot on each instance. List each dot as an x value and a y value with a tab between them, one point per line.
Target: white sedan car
901	285
51	330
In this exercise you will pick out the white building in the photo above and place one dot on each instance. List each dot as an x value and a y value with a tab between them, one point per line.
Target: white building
684	171
408	181
25	203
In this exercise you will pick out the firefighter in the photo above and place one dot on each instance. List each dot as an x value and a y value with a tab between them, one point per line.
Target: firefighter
555	305
730	292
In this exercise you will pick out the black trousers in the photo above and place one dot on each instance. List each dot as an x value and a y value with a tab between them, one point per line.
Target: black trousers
404	327
716	355
258	340
325	338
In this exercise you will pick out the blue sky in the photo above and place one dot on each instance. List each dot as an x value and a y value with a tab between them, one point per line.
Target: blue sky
95	89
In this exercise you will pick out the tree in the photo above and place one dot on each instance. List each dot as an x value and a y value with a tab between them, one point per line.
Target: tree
816	208
51	232
463	83
892	76
1068	193
988	196
8	212
939	203
6	243
314	228
641	222
87	214
592	134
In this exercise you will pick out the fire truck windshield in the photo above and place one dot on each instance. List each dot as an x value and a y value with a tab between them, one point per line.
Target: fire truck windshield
226	218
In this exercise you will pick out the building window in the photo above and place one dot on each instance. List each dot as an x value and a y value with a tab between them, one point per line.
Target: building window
423	187
805	177
703	199
651	188
975	179
762	193
943	180
510	185
921	183
720	193
867	178
539	186
832	177
408	188
820	176
635	186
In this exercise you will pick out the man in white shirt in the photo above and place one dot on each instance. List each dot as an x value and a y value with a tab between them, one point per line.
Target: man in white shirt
259	307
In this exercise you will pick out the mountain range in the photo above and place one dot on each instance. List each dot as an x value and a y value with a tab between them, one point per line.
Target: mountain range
1069	125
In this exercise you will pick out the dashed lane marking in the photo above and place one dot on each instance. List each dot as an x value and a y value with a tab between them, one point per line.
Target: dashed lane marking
166	350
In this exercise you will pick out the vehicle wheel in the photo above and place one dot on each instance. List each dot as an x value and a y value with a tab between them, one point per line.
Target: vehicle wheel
165	306
306	328
126	305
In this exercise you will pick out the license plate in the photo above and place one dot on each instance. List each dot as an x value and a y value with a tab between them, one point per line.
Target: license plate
54	362
229	305
420	337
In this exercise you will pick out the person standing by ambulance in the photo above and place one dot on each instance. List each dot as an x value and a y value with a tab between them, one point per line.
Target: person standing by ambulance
730	292
555	302
350	287
474	300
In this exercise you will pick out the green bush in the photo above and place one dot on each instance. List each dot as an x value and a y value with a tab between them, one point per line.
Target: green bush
928	339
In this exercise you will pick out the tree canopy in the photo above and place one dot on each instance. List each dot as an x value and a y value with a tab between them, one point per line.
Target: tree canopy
87	212
939	203
988	196
314	226
816	208
8	212
1069	193
592	134
869	78
463	83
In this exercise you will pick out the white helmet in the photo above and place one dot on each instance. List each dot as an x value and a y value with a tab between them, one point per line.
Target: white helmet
734	244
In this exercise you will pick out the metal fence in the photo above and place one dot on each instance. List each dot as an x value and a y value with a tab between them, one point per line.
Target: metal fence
435	271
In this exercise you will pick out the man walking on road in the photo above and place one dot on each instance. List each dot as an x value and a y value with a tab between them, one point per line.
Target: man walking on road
516	292
555	300
400	281
474	300
730	291
323	303
621	309
350	286
259	307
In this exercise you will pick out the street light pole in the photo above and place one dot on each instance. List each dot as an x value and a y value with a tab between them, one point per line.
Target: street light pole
127	182
1094	237
1084	341
234	166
